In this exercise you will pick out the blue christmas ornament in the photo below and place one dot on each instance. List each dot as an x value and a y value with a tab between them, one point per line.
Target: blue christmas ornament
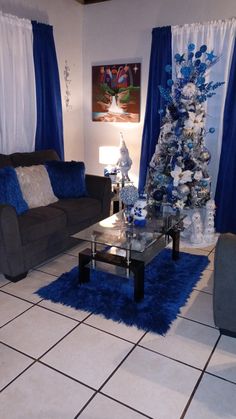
185	71
202	67
212	130
191	47
190	55
200	80
179	58
178	131
158	195
168	68
204	182
161	111
203	48
198	54
190	145
170	82
197	63
169	189
210	56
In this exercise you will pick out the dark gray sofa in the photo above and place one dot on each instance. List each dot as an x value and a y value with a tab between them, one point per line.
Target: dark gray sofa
28	239
224	293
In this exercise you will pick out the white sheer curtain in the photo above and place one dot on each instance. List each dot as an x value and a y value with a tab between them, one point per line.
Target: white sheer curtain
17	85
219	36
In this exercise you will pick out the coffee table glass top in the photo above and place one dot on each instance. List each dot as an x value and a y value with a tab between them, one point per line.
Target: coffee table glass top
114	231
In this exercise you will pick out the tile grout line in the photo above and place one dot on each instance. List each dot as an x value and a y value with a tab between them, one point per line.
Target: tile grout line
111	375
126	405
171	358
199	380
198	322
21	373
221	378
14	318
21	298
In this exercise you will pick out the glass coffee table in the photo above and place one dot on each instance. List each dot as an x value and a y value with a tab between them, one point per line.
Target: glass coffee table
124	249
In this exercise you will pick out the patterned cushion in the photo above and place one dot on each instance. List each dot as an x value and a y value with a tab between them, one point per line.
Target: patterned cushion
35	186
10	192
67	178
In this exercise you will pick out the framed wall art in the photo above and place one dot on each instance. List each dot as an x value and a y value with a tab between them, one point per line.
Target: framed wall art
116	92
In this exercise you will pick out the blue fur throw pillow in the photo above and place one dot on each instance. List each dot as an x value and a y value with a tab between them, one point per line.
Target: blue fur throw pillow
10	192
67	178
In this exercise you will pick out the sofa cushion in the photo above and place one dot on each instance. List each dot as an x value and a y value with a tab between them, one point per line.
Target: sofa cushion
10	192
67	178
35	186
36	157
39	223
79	210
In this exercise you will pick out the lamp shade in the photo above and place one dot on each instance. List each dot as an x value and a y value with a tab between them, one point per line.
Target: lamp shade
108	155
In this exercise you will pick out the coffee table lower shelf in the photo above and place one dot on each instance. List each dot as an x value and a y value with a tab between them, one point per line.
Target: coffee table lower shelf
132	267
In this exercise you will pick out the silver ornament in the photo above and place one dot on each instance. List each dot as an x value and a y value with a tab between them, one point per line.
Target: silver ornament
183	190
205	156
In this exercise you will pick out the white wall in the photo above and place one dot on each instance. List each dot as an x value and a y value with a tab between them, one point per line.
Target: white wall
66	17
118	31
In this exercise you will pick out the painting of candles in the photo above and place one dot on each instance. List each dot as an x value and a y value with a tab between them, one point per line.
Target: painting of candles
116	92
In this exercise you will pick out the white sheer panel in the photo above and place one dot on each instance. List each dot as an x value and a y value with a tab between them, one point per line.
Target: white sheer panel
17	85
218	36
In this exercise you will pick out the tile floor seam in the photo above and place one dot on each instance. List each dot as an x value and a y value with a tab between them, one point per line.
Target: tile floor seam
111	375
5	324
60	340
117	401
18	350
3	285
112	334
196	321
21	298
126	405
170	357
21	373
220	378
204	292
56	312
65	375
47	273
199	380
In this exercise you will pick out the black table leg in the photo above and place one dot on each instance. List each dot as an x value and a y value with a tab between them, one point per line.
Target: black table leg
84	271
175	234
137	267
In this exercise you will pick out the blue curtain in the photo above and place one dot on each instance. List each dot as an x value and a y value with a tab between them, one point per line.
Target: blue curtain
225	197
49	130
160	57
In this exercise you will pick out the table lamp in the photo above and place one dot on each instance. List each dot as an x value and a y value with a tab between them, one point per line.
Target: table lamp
108	155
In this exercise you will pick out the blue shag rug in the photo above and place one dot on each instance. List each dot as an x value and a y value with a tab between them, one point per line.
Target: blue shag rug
168	285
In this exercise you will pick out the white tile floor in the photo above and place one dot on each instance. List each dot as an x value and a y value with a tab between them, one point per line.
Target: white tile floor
59	363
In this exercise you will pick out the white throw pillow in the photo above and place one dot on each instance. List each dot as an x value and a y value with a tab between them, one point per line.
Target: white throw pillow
35	186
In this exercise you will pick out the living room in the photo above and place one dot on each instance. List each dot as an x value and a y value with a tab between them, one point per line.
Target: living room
62	362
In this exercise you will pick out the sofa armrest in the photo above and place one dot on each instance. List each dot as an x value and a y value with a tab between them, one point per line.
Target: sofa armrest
11	252
99	187
224	294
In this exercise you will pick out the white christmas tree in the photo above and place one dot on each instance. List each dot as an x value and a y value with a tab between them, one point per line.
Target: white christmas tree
178	172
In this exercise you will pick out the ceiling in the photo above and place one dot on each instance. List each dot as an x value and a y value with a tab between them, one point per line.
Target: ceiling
90	1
